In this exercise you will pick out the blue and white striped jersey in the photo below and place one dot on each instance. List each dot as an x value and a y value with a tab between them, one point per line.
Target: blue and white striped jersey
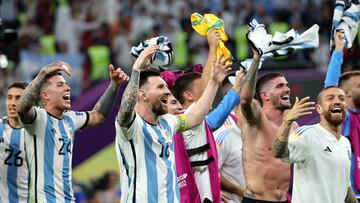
146	157
14	170
49	146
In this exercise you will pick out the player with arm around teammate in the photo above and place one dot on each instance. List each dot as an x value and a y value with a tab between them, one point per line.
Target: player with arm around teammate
144	140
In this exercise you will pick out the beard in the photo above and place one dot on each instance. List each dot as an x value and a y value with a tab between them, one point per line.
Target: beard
335	121
284	107
158	109
280	104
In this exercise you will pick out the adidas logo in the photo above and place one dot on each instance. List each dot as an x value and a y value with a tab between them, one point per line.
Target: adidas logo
327	149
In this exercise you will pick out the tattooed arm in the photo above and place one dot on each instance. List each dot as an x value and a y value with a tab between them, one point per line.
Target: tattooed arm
249	108
300	108
106	102
25	107
126	112
350	196
130	97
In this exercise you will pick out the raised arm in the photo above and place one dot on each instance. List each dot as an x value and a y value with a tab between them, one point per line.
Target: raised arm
126	112
300	108
213	39
249	109
25	108
334	69
106	102
203	105
217	117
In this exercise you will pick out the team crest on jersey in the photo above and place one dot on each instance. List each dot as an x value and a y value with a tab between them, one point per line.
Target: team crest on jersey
78	113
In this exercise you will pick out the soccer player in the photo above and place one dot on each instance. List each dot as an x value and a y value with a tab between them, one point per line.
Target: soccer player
350	83
14	170
267	178
321	155
50	129
145	132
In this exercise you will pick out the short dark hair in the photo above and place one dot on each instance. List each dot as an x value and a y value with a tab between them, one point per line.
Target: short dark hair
263	81
319	97
21	85
144	75
47	78
346	76
182	84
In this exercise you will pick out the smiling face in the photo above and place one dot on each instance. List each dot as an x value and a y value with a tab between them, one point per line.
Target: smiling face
332	105
174	105
156	94
55	94
277	93
12	99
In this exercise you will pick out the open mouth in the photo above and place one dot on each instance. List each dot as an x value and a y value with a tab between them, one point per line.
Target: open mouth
164	101
336	110
66	97
285	98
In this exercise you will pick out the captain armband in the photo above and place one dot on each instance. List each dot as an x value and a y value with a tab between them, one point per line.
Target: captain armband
182	122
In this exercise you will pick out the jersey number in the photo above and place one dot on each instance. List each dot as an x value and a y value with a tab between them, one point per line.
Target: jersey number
63	148
18	161
165	151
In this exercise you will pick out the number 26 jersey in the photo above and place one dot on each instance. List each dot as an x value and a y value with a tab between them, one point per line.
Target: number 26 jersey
14	169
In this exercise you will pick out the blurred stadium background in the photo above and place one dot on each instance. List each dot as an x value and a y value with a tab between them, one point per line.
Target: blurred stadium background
90	34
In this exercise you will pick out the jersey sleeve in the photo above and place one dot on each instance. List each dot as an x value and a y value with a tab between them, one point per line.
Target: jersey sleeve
125	133
177	123
298	145
217	117
39	122
334	69
80	119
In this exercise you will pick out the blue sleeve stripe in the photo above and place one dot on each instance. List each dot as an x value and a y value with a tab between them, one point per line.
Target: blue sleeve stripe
218	116
334	69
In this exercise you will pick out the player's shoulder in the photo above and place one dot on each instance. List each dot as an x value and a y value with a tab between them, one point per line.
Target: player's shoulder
72	113
3	119
302	131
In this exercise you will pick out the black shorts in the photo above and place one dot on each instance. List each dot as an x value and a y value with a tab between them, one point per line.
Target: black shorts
248	200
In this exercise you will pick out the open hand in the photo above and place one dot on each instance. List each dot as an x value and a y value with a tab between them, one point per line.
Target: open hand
143	61
220	69
56	67
301	108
